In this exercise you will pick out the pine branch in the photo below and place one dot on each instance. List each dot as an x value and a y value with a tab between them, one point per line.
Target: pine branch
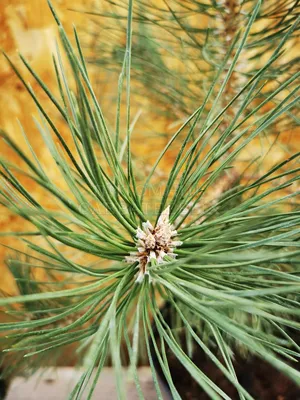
101	261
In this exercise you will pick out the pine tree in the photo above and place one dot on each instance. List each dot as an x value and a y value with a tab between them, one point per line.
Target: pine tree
222	246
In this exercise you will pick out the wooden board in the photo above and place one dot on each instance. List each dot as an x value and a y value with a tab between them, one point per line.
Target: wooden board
57	385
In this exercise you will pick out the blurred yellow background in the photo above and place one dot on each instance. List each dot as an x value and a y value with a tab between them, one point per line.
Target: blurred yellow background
28	26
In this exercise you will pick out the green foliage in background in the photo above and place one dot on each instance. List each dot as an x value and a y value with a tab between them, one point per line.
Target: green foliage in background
178	46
